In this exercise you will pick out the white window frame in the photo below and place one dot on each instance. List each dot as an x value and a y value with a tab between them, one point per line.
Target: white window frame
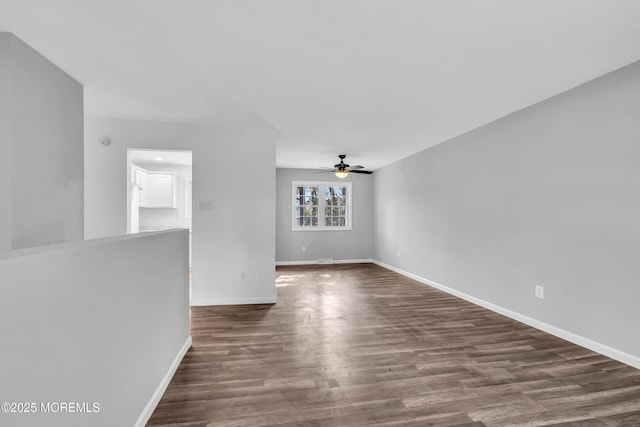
321	205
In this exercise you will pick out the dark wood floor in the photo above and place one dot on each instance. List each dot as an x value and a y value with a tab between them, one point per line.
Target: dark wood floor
355	345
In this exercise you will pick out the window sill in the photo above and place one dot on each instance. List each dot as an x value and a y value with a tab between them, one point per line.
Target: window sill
322	229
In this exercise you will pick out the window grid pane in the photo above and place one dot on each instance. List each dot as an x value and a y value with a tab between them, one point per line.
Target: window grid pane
307	213
335	206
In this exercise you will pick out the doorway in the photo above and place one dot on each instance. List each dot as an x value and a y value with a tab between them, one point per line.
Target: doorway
159	191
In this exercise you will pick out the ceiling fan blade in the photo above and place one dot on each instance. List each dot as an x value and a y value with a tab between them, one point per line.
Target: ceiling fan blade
325	171
322	167
344	167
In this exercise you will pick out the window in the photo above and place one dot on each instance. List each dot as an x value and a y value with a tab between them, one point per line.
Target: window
321	205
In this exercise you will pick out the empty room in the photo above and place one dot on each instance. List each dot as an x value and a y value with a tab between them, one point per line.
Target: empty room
319	213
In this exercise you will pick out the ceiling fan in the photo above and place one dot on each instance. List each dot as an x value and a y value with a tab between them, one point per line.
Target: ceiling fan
342	169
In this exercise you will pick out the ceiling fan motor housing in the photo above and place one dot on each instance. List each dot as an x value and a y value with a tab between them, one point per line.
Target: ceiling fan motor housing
342	165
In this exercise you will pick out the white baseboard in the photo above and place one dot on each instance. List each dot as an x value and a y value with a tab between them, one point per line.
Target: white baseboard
283	263
613	353
233	301
162	387
317	262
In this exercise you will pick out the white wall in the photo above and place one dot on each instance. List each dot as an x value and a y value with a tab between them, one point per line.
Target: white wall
234	168
6	169
43	121
546	196
354	244
104	321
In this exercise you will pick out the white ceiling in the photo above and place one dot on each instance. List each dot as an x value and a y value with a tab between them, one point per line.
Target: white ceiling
375	79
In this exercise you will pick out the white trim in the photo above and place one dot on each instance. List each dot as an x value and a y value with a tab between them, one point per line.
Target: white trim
352	261
162	387
234	301
317	262
188	198
613	353
283	263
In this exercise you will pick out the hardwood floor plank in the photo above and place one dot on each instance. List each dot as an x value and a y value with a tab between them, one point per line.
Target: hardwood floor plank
353	345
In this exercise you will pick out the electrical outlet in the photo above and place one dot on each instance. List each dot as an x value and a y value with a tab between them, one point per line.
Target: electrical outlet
539	292
304	249
205	205
398	254
242	276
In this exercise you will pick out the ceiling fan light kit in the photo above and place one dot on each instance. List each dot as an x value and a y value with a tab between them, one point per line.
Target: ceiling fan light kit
341	170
